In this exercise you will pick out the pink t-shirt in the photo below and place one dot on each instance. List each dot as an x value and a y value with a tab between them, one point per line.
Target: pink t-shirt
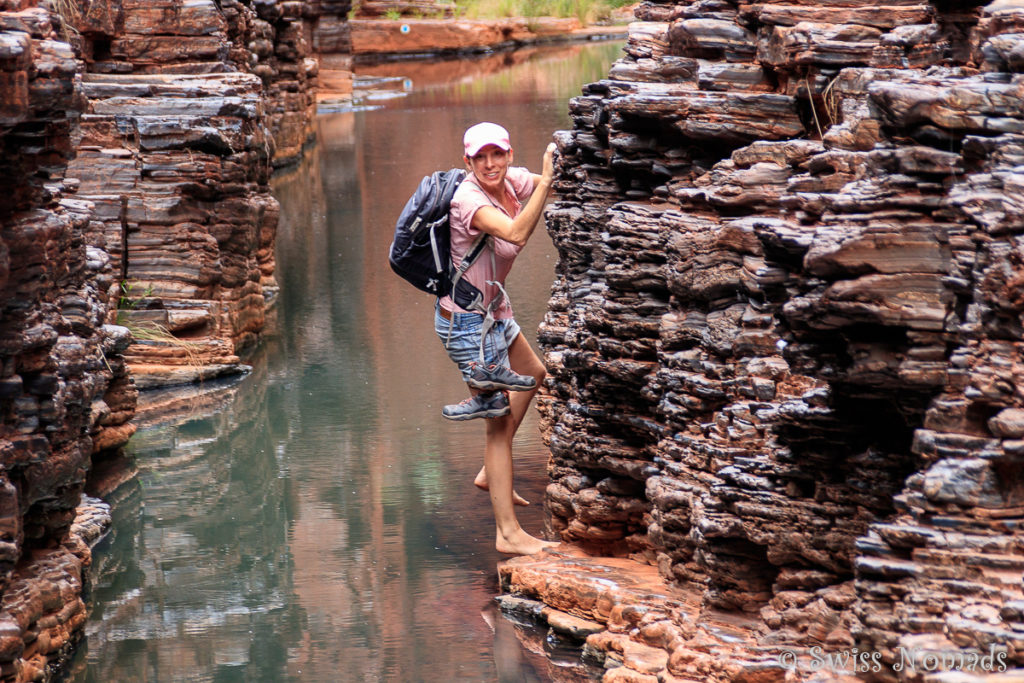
468	198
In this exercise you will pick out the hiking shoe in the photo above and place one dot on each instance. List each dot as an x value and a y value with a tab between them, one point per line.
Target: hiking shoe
491	377
482	405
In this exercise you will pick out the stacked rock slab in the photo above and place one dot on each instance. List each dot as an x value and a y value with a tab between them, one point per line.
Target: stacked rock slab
267	38
330	38
175	153
784	342
65	395
278	50
176	166
328	26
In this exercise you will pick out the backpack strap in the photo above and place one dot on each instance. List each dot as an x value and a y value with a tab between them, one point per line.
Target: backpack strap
475	250
477	305
489	314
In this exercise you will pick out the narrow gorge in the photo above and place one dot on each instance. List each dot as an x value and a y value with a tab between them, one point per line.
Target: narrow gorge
784	343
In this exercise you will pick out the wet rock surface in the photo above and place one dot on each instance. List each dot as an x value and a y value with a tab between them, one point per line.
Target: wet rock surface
65	395
784	340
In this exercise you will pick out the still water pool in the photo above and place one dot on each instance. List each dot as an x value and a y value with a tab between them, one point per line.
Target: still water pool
316	519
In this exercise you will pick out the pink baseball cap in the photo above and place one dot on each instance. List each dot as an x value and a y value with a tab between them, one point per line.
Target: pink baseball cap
482	134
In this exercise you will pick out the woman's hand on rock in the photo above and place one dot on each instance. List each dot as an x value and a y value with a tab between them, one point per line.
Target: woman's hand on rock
548	171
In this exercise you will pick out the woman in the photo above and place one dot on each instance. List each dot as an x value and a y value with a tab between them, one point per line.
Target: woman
489	205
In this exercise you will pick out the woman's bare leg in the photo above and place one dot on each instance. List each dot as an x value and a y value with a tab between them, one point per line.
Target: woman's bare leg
497	472
523	360
510	537
481	483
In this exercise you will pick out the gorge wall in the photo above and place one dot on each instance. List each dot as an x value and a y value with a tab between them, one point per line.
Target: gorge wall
65	395
136	249
784	341
190	106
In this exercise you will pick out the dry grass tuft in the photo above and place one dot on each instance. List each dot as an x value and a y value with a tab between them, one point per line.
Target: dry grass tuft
69	14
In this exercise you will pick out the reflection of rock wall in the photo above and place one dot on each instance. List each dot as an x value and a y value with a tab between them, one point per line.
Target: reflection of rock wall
197	569
785	336
64	392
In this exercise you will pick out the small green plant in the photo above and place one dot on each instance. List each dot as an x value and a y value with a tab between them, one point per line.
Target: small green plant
129	300
393	15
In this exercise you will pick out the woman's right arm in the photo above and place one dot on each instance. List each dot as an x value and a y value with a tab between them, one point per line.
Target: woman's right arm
518	230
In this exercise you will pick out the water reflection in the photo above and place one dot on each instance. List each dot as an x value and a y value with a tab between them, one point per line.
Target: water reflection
316	521
194	581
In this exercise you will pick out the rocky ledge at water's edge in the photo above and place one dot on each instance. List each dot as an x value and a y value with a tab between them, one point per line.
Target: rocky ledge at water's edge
784	341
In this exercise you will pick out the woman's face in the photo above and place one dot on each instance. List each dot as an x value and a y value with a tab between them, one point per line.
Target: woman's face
489	165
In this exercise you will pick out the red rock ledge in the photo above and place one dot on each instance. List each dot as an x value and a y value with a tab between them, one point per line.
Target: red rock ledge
373	38
640	628
41	610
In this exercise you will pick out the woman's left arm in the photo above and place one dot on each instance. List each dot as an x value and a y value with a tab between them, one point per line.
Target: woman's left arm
518	230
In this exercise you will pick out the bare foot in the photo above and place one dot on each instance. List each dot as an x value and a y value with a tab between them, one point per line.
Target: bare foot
481	483
520	543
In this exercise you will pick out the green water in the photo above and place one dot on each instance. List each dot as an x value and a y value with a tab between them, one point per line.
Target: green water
316	519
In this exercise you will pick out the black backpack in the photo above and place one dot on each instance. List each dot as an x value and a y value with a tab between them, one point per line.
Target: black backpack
421	250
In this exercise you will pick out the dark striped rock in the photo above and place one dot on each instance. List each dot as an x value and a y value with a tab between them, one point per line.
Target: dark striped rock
65	395
188	198
783	344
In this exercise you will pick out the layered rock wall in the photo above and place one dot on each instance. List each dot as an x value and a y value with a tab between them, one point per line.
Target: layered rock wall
268	39
784	339
190	104
65	395
137	141
177	166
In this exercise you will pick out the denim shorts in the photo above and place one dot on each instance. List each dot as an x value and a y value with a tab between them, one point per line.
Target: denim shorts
464	346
